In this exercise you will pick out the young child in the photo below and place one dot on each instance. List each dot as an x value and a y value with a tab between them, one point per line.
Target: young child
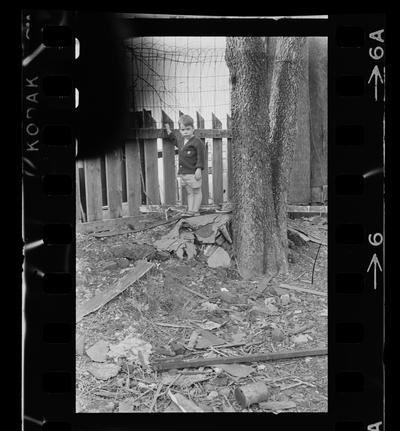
191	162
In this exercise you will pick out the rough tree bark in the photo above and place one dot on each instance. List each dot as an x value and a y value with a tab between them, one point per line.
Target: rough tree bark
262	149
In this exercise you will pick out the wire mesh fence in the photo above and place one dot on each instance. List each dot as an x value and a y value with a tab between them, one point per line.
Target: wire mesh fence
177	74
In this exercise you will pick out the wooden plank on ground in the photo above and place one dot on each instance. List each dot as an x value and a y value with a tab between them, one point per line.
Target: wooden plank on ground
217	165
151	163
102	298
258	357
169	165
229	159
114	182
94	206
204	180
133	184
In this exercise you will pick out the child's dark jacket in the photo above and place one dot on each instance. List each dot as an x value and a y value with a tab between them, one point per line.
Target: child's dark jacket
191	155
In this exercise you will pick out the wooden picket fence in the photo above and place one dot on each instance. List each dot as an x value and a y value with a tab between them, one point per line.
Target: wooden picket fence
130	173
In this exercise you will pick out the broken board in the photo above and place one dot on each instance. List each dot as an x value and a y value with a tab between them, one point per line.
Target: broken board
102	298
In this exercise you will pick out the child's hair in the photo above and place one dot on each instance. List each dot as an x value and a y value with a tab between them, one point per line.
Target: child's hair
186	120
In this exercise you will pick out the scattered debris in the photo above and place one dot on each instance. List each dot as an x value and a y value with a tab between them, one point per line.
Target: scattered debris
133	349
102	298
205	228
159	311
98	352
252	393
103	371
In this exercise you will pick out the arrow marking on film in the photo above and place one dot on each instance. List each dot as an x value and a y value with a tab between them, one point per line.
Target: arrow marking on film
376	74
375	262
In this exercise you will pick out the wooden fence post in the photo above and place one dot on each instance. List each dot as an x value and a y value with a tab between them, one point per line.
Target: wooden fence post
217	166
134	190
151	162
183	189
169	171
94	207
114	182
299	183
204	185
229	158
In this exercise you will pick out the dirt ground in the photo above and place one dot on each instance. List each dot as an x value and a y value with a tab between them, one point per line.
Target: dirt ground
156	310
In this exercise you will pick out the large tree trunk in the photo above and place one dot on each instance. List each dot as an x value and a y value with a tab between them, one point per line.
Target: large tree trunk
261	150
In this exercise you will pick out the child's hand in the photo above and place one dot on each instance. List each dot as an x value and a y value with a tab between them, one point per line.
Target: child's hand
197	174
167	128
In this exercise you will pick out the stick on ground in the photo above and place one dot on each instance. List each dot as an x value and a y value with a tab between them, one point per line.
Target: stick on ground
259	357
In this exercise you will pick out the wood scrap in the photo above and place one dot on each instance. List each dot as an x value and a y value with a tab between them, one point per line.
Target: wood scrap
302	289
95	303
258	357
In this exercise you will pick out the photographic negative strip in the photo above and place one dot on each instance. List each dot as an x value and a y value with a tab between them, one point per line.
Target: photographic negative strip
194	263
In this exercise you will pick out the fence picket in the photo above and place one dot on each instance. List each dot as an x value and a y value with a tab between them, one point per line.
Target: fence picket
133	186
217	166
114	183
169	172
205	185
183	189
151	163
94	207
